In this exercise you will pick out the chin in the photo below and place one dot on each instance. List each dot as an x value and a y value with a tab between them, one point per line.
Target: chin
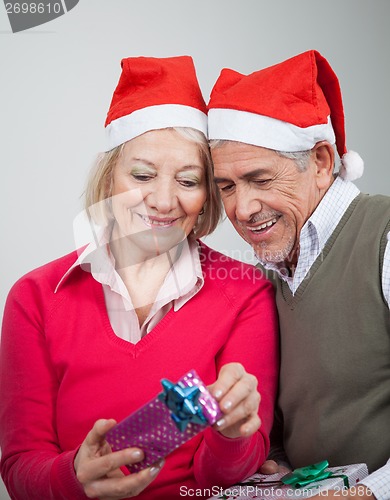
158	245
271	256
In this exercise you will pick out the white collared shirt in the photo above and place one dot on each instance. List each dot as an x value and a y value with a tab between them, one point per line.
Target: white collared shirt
183	281
317	230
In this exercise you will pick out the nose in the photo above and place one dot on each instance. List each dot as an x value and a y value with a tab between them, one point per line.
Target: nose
247	204
163	198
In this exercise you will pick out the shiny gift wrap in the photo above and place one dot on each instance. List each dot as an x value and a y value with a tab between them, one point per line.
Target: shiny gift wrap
304	482
176	415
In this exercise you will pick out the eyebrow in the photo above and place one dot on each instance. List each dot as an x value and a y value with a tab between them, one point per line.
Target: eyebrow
190	167
248	175
151	164
142	160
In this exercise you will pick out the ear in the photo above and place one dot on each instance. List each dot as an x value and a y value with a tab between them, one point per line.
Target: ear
323	156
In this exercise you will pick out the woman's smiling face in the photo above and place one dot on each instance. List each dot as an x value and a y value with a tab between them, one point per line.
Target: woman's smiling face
158	190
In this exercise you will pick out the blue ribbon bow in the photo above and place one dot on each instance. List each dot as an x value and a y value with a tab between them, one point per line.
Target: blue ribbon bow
183	403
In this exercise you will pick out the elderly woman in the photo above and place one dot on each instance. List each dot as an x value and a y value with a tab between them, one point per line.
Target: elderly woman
87	338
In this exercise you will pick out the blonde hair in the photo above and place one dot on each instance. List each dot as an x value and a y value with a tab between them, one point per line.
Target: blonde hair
99	185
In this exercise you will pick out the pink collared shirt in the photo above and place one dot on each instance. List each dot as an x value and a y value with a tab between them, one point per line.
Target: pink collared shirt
183	281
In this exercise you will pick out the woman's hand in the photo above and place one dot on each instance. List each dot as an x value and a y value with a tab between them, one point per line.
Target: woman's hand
236	392
98	468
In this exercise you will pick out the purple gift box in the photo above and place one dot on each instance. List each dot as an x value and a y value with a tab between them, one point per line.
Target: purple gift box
176	415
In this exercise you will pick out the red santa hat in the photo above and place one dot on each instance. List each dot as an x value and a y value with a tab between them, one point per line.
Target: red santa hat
155	93
287	107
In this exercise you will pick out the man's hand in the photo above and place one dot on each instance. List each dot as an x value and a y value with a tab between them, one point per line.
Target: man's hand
272	467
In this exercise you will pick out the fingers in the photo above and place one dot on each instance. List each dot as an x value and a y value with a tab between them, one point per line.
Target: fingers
96	436
243	409
233	426
228	376
98	468
90	470
233	385
236	392
125	487
269	467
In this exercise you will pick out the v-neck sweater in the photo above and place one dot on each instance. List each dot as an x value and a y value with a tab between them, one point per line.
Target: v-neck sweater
63	367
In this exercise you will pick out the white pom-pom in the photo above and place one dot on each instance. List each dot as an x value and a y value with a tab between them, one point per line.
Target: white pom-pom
352	166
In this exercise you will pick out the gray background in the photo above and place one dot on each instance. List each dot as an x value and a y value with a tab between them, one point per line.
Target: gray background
57	81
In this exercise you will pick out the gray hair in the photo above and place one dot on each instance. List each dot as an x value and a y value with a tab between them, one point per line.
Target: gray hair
301	158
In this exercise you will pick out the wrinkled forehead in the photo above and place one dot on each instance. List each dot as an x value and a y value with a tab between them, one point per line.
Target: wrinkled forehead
164	146
235	158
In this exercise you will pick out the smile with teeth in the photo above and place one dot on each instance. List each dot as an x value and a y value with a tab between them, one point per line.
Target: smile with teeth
152	221
264	225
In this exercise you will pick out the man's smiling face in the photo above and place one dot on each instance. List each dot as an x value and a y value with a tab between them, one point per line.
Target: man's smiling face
266	197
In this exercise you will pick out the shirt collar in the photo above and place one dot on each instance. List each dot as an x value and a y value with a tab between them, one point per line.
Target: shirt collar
184	279
93	254
331	209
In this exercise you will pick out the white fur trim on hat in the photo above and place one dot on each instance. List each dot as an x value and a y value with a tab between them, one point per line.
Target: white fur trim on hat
154	118
260	130
352	166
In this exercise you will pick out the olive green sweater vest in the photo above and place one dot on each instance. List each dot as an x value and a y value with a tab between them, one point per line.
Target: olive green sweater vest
335	347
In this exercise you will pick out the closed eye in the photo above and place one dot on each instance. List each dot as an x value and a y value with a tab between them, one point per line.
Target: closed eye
227	188
261	182
142	177
188	183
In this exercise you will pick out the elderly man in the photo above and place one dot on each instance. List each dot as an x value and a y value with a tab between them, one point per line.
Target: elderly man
274	136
